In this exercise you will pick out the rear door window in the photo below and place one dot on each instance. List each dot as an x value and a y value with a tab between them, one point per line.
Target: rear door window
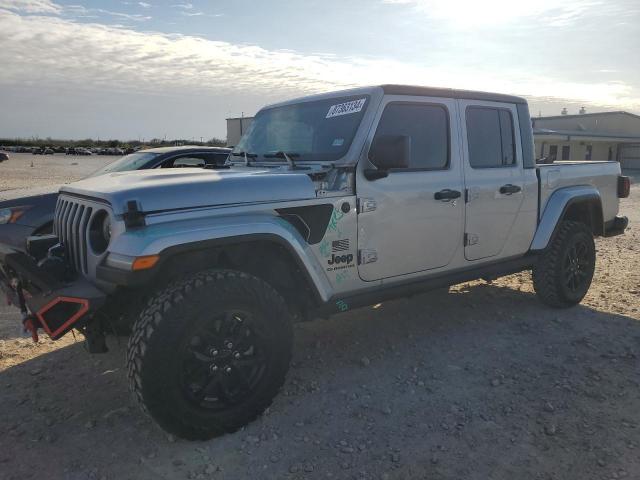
490	137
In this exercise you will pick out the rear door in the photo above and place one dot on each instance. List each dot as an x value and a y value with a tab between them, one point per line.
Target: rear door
411	220
494	176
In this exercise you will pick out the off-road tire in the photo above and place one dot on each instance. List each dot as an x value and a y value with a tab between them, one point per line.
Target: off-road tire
183	307
549	274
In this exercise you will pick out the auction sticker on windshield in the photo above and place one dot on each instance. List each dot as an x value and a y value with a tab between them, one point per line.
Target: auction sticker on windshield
346	108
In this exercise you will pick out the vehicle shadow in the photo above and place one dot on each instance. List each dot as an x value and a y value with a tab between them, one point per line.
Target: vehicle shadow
484	382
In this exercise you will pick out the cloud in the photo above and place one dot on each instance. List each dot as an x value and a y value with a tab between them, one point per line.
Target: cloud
31	6
80	11
56	53
186	6
127	16
201	14
52	51
144	4
469	13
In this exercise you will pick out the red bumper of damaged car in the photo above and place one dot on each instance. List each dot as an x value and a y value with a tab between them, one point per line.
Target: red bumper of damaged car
46	302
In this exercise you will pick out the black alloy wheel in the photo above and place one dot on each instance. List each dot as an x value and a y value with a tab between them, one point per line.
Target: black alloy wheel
576	266
223	361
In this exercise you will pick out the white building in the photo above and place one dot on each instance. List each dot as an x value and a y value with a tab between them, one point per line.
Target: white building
589	136
236	127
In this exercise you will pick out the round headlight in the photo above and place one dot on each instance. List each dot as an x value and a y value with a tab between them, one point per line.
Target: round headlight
100	232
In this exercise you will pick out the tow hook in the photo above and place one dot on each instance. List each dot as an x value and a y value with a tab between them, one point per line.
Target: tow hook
30	325
94	335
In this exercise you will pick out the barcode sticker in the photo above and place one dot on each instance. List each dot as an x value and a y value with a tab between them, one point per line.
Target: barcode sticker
346	108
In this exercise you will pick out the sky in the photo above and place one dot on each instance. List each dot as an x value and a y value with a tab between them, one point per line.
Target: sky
176	69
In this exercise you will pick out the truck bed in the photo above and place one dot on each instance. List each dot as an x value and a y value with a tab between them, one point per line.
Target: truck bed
603	175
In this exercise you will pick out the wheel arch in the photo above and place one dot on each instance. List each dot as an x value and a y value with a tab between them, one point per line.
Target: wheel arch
266	255
580	204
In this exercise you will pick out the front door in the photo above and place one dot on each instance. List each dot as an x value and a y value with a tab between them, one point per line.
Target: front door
494	176
411	220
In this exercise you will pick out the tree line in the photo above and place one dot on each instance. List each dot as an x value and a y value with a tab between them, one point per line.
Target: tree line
94	143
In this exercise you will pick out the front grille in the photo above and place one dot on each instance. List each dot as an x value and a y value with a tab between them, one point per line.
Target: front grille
71	222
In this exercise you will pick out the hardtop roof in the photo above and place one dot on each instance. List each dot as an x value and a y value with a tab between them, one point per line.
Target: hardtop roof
450	93
408	90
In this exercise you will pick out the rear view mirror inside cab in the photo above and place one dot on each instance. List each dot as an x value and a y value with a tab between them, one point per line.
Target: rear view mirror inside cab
388	152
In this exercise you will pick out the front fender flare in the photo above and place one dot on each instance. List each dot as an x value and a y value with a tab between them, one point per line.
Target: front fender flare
555	210
167	239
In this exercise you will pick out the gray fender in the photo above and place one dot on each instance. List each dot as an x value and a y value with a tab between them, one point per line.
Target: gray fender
202	232
555	209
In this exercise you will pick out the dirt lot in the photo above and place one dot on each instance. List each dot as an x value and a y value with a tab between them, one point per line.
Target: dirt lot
26	174
483	383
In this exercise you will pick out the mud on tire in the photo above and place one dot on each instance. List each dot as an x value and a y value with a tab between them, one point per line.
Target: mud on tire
209	353
564	272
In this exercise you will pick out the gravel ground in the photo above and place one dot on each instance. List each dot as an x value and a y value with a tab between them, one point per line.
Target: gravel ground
481	383
26	174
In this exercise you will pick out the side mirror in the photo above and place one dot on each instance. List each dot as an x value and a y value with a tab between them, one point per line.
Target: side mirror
390	151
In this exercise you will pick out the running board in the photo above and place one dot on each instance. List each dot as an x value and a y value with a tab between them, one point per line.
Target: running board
378	294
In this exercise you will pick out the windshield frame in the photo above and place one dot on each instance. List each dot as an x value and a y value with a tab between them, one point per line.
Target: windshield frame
329	100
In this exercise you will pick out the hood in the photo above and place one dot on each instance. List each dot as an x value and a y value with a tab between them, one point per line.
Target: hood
22	196
180	188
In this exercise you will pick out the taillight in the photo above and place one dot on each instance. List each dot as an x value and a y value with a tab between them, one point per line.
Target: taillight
624	186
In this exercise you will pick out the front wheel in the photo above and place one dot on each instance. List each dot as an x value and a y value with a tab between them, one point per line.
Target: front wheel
209	353
564	272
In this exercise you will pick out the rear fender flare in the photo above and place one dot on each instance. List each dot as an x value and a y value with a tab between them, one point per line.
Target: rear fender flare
557	207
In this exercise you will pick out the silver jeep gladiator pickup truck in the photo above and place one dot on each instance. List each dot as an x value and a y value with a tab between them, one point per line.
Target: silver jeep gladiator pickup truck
329	202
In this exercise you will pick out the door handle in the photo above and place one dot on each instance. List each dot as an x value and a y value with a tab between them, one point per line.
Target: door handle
447	194
509	189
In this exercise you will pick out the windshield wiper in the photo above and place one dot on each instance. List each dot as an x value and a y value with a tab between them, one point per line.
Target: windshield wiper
246	156
287	156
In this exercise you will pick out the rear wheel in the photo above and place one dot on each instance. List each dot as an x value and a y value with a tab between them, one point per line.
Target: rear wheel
563	274
209	353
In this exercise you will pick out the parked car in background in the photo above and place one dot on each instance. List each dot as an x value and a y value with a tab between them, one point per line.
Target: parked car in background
42	151
78	151
33	215
111	151
3	156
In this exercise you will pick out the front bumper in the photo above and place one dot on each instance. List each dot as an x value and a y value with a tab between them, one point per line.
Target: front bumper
57	306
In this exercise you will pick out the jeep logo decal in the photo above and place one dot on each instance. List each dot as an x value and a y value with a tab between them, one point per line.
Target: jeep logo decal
339	262
336	259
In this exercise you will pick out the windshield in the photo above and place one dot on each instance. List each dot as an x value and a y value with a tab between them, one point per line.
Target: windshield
320	130
133	161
